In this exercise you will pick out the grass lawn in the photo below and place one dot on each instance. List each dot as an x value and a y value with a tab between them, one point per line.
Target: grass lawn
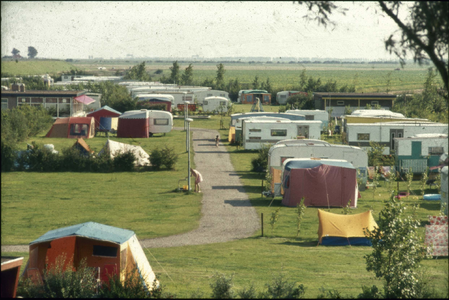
145	202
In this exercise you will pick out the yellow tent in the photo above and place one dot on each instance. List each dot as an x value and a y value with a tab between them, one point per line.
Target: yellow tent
339	230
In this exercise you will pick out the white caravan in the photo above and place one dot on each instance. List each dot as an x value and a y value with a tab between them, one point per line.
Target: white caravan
361	134
256	133
313	114
201	95
160	121
215	103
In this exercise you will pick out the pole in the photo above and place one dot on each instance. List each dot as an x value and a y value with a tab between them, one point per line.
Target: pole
188	151
261	222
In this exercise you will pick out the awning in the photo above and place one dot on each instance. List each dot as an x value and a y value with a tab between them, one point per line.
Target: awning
84	99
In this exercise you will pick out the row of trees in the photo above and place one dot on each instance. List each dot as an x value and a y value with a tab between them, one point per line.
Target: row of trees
32	52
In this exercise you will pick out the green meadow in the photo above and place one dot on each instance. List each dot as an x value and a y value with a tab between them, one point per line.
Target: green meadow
146	202
35	67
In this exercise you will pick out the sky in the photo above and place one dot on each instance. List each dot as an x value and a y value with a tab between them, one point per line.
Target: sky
108	29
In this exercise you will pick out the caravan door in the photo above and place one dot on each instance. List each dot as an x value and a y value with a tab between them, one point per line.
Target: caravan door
303	130
395	133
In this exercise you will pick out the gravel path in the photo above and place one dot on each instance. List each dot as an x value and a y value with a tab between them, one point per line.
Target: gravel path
227	213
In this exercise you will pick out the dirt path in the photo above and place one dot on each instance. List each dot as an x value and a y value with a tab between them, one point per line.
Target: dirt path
227	213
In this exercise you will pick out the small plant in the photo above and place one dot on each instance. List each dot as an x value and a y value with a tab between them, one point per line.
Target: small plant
156	158
221	287
409	177
274	218
329	294
281	288
370	293
124	161
248	293
347	208
169	157
300	210
424	178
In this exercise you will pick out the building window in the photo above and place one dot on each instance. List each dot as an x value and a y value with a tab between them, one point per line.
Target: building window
278	132
252	138
160	122
104	251
363	136
249	98
255	130
374	102
4	104
340	103
266	98
436	150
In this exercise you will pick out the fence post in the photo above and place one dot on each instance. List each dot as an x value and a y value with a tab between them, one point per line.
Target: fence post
262	222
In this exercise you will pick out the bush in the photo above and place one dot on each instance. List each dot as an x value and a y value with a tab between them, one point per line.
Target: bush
73	161
60	282
124	162
165	156
39	159
8	156
221	287
280	288
260	163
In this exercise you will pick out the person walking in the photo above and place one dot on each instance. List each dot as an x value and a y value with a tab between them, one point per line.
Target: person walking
198	179
217	139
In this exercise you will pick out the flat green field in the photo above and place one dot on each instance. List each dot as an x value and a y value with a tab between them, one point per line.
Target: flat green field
33	203
35	67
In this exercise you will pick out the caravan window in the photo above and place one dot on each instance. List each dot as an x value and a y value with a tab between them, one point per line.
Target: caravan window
436	150
160	122
205	102
278	132
255	130
254	138
310	117
363	136
104	251
223	103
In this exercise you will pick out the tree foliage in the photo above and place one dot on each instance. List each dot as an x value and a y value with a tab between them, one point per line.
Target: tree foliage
175	75
15	51
423	33
187	76
138	72
32	52
397	251
114	95
219	80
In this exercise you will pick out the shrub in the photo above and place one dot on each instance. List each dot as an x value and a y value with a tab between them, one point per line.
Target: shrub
102	163
329	294
169	157
261	162
124	161
8	156
156	158
221	287
370	293
60	282
73	160
39	159
280	288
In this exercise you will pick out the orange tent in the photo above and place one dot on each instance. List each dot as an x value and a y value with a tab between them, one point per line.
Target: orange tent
73	127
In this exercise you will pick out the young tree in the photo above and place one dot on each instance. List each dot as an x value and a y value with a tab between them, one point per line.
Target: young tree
303	80
15	51
267	86
219	80
187	77
397	251
256	83
32	52
175	76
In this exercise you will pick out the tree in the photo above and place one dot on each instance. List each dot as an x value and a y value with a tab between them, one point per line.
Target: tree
219	80
267	86
187	77
302	80
15	51
32	52
174	76
138	72
256	83
397	251
424	32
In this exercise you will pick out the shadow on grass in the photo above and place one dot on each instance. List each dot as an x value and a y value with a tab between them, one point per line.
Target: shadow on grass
247	175
430	205
307	243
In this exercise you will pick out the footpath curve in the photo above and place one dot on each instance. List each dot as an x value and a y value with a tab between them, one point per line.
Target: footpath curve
226	211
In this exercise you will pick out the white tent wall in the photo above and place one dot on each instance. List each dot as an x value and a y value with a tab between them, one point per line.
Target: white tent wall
141	262
142	158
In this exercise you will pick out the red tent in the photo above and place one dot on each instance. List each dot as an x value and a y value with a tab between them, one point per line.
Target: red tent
104	111
134	124
322	182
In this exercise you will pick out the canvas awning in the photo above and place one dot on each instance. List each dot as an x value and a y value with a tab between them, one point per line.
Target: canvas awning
84	99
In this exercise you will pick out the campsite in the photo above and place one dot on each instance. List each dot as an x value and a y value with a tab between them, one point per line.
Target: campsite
149	205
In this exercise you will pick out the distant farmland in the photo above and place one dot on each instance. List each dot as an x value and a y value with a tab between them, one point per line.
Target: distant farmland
366	77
